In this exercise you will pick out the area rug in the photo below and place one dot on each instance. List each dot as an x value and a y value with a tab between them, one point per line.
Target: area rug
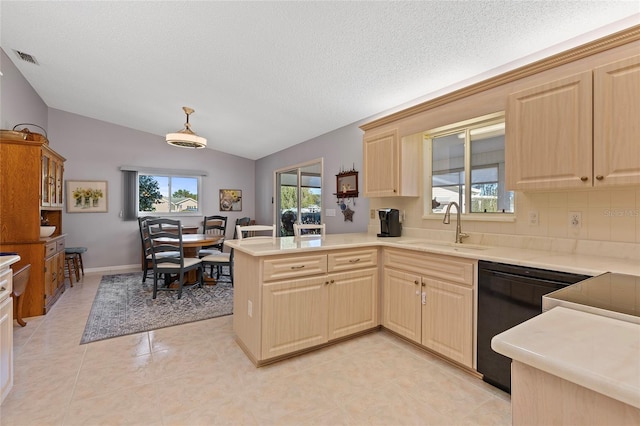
123	305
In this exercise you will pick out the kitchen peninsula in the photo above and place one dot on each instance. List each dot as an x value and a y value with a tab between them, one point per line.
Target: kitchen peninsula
294	295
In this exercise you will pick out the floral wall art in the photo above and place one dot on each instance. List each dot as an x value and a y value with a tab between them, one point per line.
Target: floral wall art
86	196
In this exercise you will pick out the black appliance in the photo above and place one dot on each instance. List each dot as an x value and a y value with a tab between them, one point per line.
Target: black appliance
507	296
390	225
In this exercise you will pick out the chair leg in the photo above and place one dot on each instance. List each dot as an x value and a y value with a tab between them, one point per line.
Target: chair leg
19	309
68	263
81	264
76	265
155	285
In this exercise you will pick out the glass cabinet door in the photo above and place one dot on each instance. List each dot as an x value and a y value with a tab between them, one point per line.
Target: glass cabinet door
45	191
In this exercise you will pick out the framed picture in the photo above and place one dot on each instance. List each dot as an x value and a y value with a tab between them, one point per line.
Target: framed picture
347	184
230	200
87	196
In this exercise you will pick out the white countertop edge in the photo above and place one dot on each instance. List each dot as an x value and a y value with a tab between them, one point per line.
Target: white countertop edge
6	261
525	343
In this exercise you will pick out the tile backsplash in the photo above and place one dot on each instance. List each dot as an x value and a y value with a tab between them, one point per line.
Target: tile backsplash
605	215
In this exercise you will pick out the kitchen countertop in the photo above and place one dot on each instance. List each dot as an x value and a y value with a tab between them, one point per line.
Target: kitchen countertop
593	351
565	262
6	261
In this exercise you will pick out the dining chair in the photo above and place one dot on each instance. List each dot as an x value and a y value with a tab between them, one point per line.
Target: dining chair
146	247
215	225
162	243
256	231
217	262
243	221
308	230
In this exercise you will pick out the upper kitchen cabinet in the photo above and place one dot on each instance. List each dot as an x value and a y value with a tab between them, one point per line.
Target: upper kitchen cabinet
616	129
577	132
391	165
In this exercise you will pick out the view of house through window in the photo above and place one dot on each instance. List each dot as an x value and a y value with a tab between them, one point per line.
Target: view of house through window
466	161
168	194
299	196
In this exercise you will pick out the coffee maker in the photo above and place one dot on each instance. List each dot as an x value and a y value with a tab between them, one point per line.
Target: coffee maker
390	225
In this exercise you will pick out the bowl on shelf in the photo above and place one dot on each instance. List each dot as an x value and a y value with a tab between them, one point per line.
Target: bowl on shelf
46	231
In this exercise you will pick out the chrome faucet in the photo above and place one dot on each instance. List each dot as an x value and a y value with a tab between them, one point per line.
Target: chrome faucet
447	219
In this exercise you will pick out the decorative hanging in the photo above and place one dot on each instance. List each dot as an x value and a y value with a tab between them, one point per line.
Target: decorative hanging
347	191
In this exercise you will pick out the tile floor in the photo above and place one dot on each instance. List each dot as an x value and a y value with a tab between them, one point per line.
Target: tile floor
195	374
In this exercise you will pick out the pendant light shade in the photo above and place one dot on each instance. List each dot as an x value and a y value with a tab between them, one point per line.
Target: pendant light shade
186	138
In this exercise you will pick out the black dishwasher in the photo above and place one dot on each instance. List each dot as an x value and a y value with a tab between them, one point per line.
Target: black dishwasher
507	296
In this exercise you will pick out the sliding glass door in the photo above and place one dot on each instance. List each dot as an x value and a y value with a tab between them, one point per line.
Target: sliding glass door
298	195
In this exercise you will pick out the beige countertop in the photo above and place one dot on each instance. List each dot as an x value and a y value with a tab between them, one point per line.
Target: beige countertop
593	351
588	264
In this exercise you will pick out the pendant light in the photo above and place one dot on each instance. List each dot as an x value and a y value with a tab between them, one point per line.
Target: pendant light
186	138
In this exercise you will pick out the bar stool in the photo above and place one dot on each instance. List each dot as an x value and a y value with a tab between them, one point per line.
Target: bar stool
72	267
76	254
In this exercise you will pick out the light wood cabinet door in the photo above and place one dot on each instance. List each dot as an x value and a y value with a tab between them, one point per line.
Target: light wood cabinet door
402	311
447	320
391	165
353	302
294	315
549	135
381	165
617	123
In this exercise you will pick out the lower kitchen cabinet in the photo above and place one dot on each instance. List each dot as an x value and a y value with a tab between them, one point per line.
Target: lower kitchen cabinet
307	312
6	347
299	302
294	315
429	300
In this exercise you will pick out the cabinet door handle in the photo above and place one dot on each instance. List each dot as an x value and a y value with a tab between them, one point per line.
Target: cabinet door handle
599	177
354	260
584	178
416	282
332	281
297	267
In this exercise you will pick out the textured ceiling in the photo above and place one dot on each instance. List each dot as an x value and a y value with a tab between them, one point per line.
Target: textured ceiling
263	76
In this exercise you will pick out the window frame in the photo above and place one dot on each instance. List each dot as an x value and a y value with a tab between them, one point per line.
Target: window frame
465	127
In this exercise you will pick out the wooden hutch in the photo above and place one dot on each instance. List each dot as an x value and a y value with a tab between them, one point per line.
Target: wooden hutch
31	182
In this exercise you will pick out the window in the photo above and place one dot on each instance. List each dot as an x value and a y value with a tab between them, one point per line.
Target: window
464	162
168	194
298	195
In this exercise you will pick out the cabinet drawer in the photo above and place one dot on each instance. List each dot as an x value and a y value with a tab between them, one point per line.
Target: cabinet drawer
60	245
293	266
6	280
445	267
352	259
50	249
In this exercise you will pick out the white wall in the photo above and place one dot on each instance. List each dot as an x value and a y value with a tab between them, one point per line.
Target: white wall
339	148
95	150
19	103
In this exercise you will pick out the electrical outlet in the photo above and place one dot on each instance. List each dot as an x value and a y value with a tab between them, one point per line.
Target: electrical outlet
575	220
533	218
372	214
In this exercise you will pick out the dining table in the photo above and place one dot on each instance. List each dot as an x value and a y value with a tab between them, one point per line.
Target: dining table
191	245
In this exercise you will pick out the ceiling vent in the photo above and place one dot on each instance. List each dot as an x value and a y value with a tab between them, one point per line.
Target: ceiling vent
26	57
